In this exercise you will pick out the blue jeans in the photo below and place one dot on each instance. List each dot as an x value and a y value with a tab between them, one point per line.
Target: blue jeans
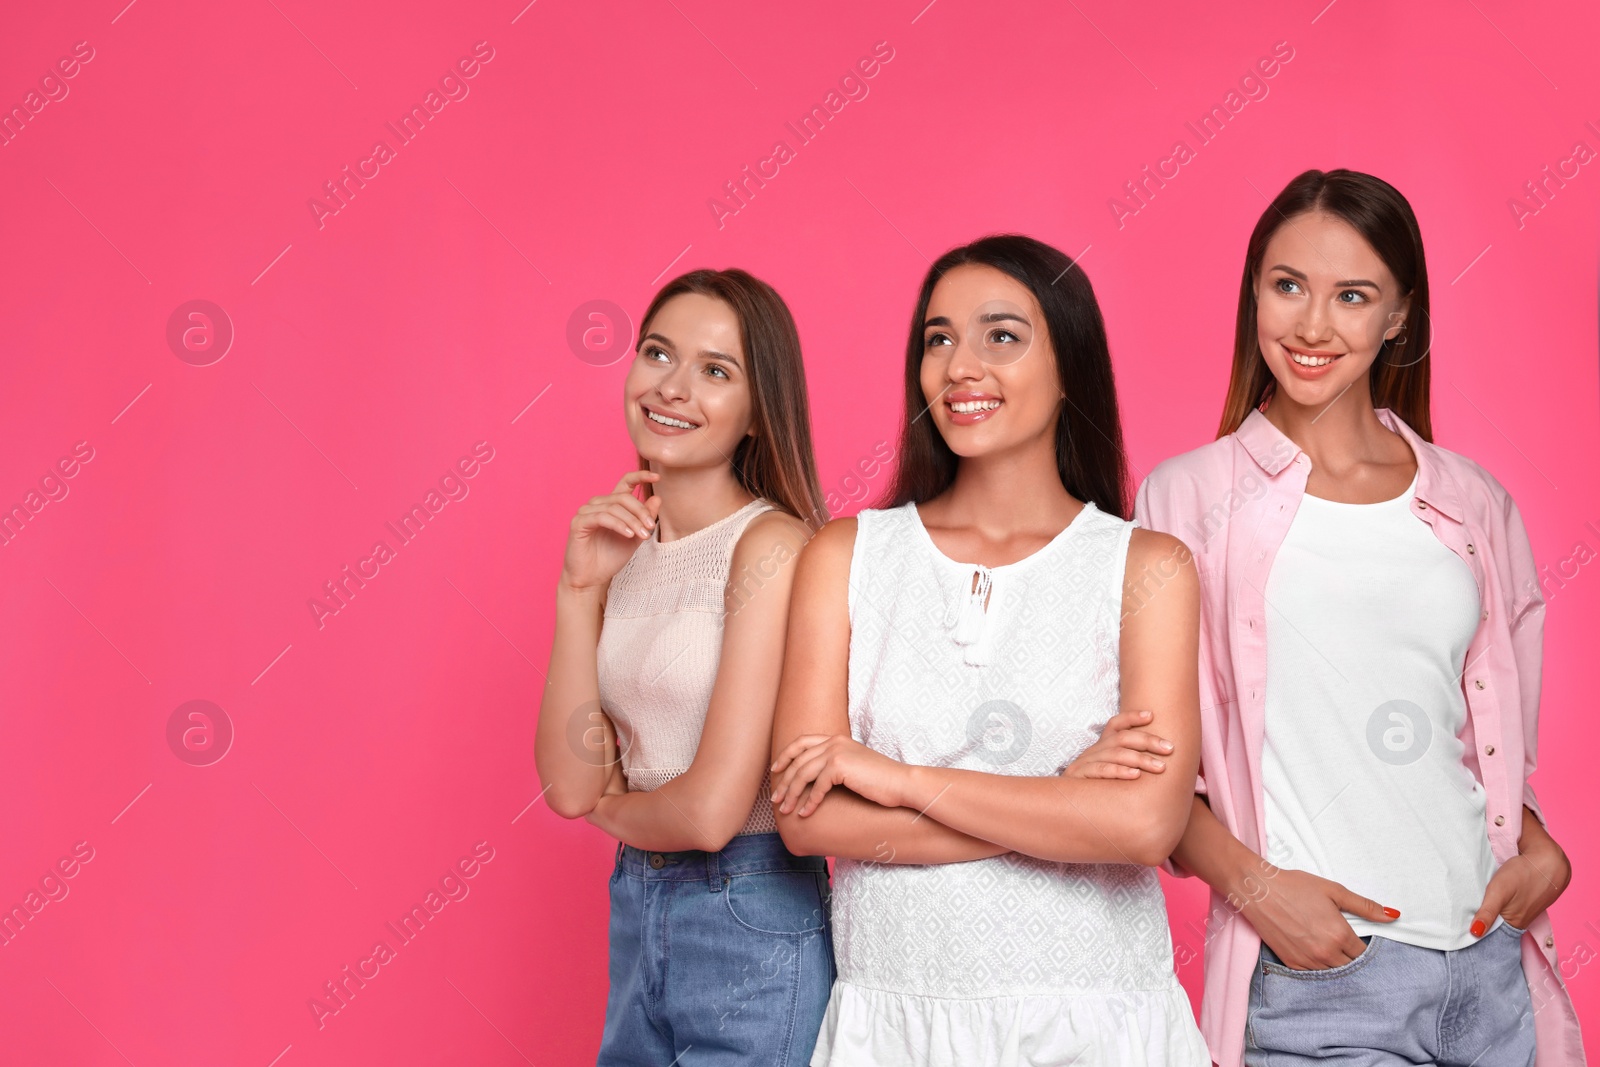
717	958
1396	1004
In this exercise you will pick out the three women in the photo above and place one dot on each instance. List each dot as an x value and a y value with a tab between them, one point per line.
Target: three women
986	682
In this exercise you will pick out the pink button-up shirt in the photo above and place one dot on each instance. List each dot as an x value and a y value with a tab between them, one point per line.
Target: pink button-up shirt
1231	501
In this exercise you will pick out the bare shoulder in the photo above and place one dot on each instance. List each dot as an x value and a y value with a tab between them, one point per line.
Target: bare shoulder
773	534
1149	548
828	553
1160	568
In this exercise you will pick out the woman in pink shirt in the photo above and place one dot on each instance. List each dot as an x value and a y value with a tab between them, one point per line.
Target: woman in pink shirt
1369	670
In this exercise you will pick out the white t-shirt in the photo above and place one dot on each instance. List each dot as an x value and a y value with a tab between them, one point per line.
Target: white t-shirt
1368	620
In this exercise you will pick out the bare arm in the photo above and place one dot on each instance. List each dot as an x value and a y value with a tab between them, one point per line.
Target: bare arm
1298	914
574	745
1067	819
704	807
813	699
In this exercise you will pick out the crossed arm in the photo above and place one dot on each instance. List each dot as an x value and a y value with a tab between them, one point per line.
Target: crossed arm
836	797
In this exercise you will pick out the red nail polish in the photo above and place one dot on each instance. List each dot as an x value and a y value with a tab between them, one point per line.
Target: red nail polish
1392	913
1477	927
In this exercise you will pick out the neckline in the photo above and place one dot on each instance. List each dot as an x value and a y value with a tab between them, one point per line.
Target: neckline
1406	495
655	534
1066	532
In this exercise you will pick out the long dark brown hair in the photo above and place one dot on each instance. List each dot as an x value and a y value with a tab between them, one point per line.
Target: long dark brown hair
1377	211
776	462
1088	438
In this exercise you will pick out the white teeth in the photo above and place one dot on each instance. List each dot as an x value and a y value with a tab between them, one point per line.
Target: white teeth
963	407
1311	361
663	420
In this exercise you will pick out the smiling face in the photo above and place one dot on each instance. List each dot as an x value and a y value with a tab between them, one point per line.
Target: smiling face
1325	303
988	369
687	395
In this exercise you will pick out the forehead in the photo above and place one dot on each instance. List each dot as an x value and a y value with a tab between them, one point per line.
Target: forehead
694	320
965	287
1324	246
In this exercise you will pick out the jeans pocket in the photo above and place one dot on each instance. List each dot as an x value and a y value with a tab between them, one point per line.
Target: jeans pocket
1273	966
776	902
1515	931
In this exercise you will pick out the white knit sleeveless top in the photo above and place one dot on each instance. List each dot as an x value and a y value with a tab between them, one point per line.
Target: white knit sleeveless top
1006	670
659	649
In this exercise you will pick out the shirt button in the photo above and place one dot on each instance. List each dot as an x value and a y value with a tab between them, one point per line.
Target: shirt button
1488	750
1550	942
1486	615
1470	548
1478	682
1499	820
1421	506
657	860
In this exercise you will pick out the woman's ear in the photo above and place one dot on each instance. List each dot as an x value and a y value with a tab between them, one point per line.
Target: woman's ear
1398	319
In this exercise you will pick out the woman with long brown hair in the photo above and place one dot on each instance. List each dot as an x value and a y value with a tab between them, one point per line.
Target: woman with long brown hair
976	675
657	716
1369	664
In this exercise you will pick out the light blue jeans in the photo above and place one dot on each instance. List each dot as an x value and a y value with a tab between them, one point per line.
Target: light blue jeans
718	958
1396	1004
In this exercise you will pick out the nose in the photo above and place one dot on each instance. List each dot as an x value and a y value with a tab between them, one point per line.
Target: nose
674	384
1315	325
964	365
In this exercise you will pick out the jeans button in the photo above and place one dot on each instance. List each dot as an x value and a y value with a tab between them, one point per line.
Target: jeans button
657	860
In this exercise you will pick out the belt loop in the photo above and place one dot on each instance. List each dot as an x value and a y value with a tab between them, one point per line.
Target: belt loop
714	871
619	851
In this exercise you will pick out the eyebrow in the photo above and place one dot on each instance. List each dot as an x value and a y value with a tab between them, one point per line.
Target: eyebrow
992	316
1337	285
709	353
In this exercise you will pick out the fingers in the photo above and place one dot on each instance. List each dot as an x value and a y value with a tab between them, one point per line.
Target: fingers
807	769
613	515
629	505
1494	898
787	785
794	748
1352	946
633	478
1101	769
623	496
1370	910
819	789
1127	757
1123	729
1142	741
1126	720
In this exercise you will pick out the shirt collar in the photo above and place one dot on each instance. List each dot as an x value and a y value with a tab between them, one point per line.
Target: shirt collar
1273	451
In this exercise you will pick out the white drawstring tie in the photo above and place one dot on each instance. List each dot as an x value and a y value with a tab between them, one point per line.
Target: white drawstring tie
972	629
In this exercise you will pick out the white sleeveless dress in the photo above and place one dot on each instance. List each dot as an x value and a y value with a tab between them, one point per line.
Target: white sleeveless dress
1010	960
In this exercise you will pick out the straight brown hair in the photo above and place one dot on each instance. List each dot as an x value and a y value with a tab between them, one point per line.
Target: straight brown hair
1377	211
1088	437
776	463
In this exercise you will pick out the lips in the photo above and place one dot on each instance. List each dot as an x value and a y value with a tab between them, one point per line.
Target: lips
1312	358
666	421
1309	363
968	408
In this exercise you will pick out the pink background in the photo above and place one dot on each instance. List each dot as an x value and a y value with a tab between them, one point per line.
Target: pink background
374	350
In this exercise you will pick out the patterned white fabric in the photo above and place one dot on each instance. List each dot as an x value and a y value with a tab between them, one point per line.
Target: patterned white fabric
1009	960
660	646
